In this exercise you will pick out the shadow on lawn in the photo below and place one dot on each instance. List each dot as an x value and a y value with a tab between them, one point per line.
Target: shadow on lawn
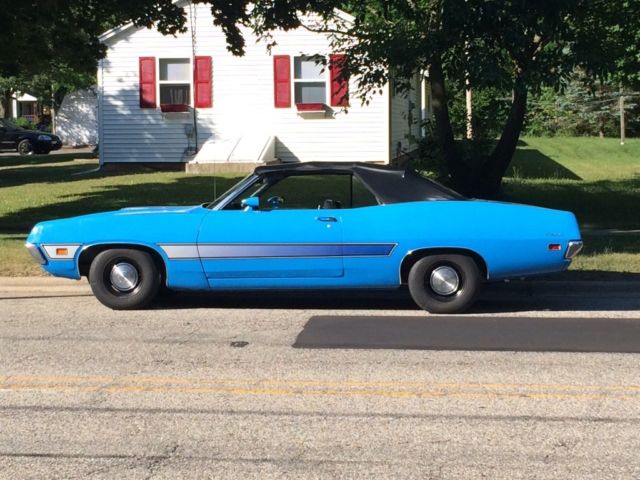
532	163
186	190
18	160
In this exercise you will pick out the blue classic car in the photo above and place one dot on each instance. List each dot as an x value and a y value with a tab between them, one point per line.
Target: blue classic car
312	225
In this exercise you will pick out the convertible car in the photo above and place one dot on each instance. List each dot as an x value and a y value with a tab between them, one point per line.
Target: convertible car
314	226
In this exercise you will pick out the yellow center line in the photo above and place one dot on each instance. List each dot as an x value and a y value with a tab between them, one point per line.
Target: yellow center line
179	385
323	383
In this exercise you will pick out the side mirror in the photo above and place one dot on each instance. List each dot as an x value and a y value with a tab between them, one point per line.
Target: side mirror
251	203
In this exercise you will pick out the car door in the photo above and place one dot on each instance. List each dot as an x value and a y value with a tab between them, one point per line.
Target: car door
287	241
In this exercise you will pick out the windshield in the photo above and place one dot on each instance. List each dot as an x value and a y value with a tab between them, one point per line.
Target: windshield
6	123
237	189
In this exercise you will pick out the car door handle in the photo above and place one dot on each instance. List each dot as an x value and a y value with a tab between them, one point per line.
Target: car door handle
327	219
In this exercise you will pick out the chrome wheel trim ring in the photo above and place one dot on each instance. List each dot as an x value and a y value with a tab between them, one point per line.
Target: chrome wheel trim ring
25	148
124	277
444	280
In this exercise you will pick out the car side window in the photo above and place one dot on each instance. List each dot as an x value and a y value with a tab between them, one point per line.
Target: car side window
297	192
361	196
333	191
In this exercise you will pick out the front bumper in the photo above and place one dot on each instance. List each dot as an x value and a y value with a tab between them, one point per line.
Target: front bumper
55	144
36	253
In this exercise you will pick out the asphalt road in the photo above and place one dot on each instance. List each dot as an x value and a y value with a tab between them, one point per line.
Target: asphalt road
532	384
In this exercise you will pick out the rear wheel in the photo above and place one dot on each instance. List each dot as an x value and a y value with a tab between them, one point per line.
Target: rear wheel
124	279
25	147
445	283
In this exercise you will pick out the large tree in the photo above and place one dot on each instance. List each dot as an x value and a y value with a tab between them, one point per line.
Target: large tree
515	45
49	47
519	45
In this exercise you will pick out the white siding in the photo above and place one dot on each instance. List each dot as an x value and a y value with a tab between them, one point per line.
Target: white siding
243	102
406	119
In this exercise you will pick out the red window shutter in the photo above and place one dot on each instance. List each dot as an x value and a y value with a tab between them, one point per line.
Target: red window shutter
202	81
282	81
339	85
147	82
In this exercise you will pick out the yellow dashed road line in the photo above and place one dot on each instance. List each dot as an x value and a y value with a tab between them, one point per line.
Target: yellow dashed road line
274	387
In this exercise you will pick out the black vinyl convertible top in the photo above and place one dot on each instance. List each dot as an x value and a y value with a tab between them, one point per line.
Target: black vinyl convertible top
388	184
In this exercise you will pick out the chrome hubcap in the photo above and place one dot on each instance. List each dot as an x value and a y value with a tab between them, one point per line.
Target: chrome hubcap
444	280
124	277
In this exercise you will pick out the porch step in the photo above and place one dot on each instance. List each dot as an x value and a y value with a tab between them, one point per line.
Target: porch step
222	167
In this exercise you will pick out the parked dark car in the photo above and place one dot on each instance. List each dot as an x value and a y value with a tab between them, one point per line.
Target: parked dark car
26	142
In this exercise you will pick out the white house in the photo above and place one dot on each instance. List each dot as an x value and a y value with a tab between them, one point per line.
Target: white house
24	105
161	96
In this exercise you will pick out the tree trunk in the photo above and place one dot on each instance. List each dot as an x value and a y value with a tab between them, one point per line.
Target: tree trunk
443	130
5	99
496	165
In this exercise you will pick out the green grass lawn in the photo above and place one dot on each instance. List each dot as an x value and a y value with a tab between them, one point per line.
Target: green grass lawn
597	179
49	187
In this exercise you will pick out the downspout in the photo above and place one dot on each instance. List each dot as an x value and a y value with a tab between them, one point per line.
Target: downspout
100	114
193	18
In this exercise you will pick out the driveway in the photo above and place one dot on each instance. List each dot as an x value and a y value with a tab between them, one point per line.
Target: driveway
538	382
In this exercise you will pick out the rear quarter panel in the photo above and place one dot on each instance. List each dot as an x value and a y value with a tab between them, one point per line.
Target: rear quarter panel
512	239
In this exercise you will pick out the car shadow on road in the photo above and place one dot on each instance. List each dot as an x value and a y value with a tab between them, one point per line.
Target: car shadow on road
495	333
496	298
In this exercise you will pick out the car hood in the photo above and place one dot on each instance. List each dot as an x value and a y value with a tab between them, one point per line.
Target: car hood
153	210
117	224
33	132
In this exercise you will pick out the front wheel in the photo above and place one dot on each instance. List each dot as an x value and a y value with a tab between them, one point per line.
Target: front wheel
445	283
124	279
25	147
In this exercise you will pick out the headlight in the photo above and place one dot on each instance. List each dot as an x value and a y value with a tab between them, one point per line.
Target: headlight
44	138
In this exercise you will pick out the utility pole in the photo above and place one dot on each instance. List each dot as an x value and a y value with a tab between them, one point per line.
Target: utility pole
52	110
468	94
622	125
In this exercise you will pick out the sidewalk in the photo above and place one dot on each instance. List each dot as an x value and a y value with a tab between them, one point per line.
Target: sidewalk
43	286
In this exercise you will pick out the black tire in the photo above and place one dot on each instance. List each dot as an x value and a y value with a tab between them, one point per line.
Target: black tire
141	292
25	147
468	283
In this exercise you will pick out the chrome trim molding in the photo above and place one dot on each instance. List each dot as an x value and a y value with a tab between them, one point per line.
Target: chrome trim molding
50	250
276	250
573	249
180	252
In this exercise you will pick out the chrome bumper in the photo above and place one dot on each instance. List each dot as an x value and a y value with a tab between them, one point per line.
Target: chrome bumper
573	249
36	253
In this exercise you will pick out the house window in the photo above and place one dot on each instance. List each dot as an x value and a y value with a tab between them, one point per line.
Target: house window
175	81
310	82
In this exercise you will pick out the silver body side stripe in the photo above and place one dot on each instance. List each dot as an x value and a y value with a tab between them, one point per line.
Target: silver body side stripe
177	252
277	250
